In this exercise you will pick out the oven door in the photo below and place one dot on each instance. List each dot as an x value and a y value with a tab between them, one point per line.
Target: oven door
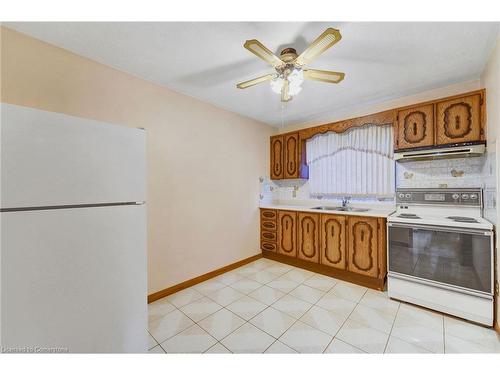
456	258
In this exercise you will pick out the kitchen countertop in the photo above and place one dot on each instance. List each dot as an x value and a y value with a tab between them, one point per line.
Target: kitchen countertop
375	210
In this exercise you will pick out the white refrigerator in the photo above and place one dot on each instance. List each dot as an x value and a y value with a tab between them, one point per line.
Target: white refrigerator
73	234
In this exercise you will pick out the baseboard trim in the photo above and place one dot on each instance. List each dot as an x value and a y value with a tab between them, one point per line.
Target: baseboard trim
189	283
369	282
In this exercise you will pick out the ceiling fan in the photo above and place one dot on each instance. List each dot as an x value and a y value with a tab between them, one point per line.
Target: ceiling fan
290	72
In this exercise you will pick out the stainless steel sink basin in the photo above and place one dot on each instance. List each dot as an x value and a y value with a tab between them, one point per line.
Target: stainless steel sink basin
340	208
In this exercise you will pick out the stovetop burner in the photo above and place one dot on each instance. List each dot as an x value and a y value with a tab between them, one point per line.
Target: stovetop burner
409	216
462	219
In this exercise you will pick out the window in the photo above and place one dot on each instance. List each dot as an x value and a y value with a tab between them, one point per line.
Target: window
358	162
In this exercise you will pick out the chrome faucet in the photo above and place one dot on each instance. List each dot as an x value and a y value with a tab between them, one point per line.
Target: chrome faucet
345	201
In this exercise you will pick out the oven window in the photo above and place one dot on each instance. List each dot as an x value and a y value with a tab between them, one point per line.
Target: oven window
458	259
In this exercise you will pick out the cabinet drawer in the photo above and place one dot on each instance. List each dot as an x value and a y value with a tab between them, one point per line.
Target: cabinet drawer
268	236
267	225
268	246
268	215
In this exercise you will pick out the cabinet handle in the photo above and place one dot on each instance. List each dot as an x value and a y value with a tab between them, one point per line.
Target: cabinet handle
332	231
307	227
414	128
362	236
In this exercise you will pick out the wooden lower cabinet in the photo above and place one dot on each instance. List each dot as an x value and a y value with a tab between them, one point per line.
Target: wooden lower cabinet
308	236
352	248
287	232
268	230
363	245
333	241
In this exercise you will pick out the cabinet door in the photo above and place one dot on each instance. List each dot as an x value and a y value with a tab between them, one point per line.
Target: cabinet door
363	245
291	155
308	236
333	241
416	127
459	120
276	157
287	233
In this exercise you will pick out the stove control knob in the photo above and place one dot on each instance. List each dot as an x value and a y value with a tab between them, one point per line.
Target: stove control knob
408	196
455	196
465	196
401	195
473	196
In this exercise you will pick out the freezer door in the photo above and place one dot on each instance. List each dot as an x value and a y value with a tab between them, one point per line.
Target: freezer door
52	159
75	279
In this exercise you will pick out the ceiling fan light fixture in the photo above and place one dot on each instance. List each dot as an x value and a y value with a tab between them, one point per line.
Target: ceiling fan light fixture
295	79
277	84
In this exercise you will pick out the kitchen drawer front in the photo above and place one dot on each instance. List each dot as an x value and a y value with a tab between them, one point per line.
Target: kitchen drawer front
268	225
268	215
268	236
268	246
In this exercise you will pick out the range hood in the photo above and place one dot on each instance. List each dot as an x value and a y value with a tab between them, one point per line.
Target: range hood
462	151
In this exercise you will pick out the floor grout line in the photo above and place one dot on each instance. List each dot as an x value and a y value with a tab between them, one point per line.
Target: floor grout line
346	319
392	327
276	276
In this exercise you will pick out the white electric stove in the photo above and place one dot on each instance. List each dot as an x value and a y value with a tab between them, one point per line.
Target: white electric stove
440	252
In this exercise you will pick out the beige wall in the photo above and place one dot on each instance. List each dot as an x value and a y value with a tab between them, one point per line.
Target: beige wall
203	162
490	79
441	92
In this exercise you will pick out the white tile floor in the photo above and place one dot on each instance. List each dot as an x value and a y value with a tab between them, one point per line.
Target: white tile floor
270	307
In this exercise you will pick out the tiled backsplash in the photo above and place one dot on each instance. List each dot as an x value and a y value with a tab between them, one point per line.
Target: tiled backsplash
451	173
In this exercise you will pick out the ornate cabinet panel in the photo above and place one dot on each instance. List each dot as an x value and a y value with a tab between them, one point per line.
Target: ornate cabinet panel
277	171
363	245
287	233
268	229
333	241
268	236
291	155
308	236
459	120
268	246
268	214
266	225
415	127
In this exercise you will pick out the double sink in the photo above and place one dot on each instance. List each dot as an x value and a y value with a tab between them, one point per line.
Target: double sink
341	208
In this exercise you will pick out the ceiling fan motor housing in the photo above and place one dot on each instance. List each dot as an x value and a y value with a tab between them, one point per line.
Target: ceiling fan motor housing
288	55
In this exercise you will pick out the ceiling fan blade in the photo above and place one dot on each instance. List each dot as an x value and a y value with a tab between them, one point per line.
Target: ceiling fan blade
259	50
323	75
255	81
329	37
285	96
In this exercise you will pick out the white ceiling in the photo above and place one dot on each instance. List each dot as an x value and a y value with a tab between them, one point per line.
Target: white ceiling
206	60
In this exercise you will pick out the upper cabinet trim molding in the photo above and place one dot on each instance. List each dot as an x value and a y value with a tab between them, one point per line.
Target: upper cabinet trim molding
380	118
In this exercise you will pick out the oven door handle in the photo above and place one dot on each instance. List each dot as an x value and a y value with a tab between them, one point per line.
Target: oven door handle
441	229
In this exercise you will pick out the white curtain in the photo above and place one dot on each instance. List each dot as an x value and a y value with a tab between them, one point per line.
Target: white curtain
358	162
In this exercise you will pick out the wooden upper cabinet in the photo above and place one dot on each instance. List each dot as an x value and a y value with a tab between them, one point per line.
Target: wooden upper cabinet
459	120
291	155
308	236
333	241
277	171
287	233
363	245
415	127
